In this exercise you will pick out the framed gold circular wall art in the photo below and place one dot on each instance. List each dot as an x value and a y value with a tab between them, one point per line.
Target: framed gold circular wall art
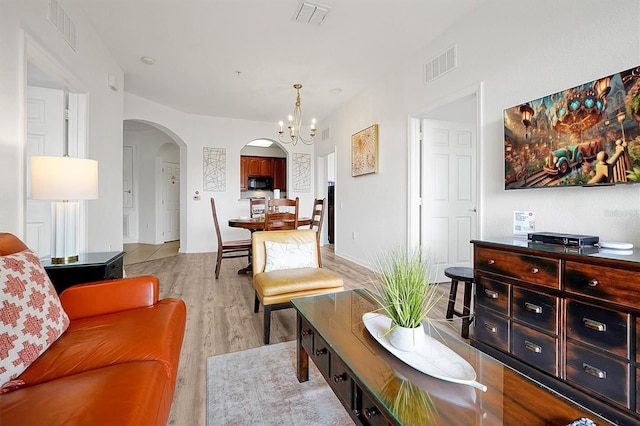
364	151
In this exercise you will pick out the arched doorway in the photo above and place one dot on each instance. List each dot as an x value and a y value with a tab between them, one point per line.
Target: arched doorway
263	158
153	199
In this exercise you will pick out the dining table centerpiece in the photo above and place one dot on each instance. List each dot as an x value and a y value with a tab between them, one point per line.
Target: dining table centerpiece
406	295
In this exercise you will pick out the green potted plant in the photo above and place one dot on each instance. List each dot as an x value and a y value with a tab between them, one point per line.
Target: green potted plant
406	294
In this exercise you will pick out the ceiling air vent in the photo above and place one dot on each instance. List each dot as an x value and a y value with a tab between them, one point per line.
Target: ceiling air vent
310	13
65	26
441	64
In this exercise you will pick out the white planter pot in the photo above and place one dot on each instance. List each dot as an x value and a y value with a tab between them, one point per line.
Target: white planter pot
407	339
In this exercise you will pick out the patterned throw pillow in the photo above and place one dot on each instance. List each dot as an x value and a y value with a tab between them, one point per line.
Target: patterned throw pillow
288	255
31	316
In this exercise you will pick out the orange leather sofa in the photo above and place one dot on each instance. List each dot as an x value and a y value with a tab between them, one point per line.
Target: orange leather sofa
116	363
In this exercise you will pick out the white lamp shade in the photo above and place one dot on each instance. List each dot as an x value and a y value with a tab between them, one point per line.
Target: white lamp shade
64	178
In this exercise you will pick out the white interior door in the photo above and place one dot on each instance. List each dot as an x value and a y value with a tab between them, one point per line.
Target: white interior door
449	197
171	201
45	136
129	217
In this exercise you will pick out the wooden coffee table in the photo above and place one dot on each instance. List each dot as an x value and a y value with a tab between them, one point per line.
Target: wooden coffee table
367	379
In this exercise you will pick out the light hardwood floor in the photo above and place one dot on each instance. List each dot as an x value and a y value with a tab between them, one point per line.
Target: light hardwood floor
220	317
138	252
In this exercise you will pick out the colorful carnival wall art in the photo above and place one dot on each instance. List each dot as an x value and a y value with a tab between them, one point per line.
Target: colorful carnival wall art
586	135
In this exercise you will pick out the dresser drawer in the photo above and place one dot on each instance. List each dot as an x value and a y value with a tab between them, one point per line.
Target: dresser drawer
614	285
638	340
368	413
492	294
540	310
491	329
115	269
320	355
539	270
602	328
341	382
599	373
637	390
306	335
535	348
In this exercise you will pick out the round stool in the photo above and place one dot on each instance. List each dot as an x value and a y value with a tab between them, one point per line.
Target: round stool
465	275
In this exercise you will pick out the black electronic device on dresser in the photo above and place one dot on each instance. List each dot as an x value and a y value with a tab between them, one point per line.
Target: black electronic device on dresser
567	319
89	267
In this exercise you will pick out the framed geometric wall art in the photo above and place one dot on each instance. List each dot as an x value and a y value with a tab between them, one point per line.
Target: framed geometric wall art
214	169
301	172
364	151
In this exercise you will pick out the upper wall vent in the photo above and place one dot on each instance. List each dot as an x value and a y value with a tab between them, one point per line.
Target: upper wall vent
441	64
326	134
65	26
310	13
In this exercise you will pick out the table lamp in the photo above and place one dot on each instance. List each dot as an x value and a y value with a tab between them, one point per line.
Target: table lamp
64	180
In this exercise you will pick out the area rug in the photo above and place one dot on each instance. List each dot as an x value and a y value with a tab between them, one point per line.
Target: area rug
259	386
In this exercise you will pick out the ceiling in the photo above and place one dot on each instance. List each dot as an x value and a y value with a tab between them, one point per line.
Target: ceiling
240	58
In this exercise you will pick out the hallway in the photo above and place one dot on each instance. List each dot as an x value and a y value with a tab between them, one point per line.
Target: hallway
136	252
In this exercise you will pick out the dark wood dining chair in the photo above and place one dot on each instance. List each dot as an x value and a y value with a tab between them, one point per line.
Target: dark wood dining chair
228	249
281	213
257	206
317	217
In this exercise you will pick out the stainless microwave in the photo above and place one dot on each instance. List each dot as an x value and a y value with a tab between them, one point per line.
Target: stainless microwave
260	183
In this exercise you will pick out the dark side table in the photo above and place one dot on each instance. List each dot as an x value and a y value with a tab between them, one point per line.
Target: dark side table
89	267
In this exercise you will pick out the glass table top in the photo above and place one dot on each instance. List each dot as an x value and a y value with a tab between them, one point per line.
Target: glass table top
412	397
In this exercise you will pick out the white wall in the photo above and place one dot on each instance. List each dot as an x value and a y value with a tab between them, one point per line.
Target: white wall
24	23
256	151
519	52
193	133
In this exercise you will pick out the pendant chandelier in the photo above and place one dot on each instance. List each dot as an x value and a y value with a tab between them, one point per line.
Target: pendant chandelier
295	123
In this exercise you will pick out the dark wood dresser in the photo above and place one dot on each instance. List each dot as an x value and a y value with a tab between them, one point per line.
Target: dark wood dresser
568	317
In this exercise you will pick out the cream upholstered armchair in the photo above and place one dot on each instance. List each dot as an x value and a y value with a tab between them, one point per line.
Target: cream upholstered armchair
285	266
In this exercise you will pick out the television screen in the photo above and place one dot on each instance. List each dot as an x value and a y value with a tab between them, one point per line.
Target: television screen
586	135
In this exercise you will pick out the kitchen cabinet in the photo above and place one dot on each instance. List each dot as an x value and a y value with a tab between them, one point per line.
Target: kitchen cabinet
259	166
569	318
244	173
280	174
274	167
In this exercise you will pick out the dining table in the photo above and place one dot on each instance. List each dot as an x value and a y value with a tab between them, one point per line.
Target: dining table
254	224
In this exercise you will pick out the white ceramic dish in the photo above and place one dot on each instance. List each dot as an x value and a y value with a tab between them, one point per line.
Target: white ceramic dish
616	245
434	358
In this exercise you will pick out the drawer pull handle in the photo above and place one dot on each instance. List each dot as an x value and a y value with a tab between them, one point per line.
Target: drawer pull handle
370	412
535	270
340	378
491	294
322	351
596	372
305	333
491	262
492	328
593	282
594	325
533	308
532	347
